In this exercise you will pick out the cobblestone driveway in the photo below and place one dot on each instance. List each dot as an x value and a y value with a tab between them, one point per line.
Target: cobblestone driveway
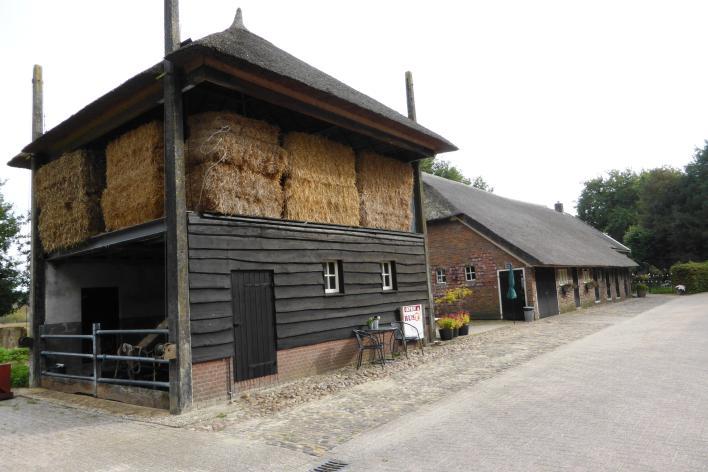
318	426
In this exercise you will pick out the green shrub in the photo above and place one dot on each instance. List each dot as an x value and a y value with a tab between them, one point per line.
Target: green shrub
18	358
694	275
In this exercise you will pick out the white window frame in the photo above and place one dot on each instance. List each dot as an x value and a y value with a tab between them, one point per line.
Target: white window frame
471	274
440	276
563	276
387	272
327	268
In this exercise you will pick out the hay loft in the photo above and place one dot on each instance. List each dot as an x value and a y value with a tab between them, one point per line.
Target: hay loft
234	166
134	177
321	181
385	188
67	191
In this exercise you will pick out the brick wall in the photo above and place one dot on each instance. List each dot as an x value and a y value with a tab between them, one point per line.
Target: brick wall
453	246
211	380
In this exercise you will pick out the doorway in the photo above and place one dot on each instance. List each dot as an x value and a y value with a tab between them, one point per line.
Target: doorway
253	324
512	309
546	291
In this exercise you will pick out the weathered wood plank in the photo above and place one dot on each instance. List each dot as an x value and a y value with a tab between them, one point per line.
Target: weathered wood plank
210	280
202	311
209	295
344	301
212	339
212	325
210	241
209	353
310	256
312	315
225	266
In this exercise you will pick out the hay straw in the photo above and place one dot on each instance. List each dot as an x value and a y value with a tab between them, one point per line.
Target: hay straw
228	137
319	159
67	191
321	181
385	188
227	189
135	177
321	202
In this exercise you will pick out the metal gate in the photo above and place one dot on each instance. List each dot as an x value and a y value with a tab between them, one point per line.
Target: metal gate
254	324
546	291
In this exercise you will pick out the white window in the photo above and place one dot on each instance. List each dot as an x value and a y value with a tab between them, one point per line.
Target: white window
387	275
470	273
440	276
587	277
331	276
563	276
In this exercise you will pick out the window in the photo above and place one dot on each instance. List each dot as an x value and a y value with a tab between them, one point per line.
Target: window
470	273
563	276
332	276
440	276
586	275
388	275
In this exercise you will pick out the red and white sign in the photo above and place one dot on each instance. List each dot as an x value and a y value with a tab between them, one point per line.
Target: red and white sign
413	315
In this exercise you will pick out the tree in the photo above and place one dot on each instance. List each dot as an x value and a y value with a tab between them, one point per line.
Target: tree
610	204
13	276
445	169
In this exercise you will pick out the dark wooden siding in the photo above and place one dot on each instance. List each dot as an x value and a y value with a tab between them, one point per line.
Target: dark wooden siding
294	252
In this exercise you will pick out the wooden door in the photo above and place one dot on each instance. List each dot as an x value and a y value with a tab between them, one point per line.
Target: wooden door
546	291
512	309
254	324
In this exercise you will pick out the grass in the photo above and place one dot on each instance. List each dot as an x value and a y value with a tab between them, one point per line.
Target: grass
18	358
662	290
17	316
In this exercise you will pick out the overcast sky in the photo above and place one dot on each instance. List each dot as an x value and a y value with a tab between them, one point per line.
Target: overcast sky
538	95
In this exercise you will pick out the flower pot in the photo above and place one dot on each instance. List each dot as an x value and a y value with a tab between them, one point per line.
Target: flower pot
641	293
455	332
446	334
464	330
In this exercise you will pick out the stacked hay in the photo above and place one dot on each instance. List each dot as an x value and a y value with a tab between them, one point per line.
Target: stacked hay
321	183
67	192
134	177
385	192
234	166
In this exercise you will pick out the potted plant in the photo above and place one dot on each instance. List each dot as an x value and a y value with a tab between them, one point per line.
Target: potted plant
446	326
465	323
565	288
373	322
642	290
590	285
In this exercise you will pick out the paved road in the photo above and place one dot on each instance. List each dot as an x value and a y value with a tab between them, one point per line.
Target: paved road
631	397
611	388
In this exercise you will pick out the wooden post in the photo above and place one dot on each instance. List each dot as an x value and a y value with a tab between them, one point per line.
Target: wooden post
419	211
36	298
176	249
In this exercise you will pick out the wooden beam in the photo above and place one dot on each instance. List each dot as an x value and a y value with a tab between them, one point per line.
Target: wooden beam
421	226
176	243
36	299
329	109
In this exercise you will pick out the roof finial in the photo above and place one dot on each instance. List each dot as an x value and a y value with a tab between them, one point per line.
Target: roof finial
238	20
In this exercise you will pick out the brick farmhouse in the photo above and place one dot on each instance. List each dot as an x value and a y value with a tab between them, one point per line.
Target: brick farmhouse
560	263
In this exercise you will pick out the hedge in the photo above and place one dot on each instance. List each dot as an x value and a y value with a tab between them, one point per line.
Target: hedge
694	275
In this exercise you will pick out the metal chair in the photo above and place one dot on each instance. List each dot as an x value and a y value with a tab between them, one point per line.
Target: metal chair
399	336
369	342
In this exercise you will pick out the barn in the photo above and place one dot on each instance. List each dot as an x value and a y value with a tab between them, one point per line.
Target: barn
220	221
559	263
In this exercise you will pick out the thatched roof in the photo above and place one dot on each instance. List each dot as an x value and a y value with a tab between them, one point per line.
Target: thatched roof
538	235
238	46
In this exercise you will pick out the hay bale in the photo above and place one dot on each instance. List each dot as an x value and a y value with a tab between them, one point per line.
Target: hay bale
234	166
67	192
233	139
385	191
134	177
321	181
232	190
